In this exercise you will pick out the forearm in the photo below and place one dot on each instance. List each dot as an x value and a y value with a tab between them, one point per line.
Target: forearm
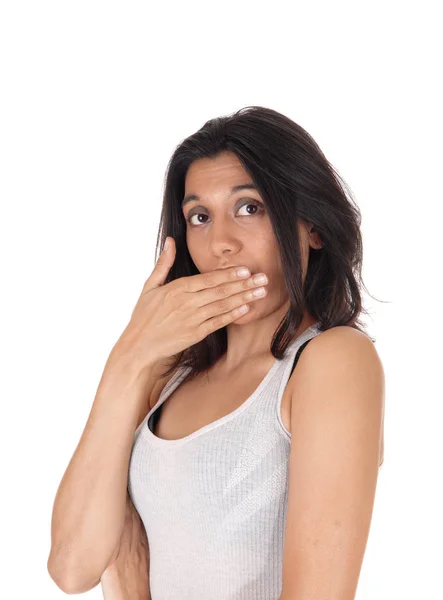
89	507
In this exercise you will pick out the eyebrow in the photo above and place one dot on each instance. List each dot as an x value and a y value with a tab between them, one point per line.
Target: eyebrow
236	188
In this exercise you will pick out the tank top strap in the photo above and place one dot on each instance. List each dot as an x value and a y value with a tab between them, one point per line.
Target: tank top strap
272	404
297	355
275	382
291	357
293	353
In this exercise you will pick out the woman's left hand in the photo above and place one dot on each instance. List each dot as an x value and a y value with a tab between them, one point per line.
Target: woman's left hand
127	575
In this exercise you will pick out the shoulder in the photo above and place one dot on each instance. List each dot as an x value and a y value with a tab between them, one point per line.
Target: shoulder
339	365
339	371
337	349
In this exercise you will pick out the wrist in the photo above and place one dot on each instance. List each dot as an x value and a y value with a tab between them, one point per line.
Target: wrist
125	363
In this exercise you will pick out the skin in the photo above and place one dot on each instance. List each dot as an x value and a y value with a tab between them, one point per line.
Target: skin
127	578
229	233
337	406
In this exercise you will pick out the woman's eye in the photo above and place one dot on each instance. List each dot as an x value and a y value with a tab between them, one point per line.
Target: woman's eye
194	215
248	205
257	205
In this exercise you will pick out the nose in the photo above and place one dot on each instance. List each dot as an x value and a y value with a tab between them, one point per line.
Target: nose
223	239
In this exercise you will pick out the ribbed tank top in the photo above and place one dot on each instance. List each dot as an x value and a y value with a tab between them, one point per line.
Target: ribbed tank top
214	502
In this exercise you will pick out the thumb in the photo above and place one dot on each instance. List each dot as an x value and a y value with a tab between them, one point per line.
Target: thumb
163	265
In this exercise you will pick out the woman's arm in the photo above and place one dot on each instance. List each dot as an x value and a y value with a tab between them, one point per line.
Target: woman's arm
336	426
127	575
89	507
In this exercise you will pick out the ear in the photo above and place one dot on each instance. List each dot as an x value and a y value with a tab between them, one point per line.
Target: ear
314	238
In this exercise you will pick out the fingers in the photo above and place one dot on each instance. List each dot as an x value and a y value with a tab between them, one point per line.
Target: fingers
203	281
221	320
230	295
231	304
163	265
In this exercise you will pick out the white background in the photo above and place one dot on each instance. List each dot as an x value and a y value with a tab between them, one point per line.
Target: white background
94	98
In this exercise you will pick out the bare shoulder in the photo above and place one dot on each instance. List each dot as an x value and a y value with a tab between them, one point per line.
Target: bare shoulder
330	348
340	357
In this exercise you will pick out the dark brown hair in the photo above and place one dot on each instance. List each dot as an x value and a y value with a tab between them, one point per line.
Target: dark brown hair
295	181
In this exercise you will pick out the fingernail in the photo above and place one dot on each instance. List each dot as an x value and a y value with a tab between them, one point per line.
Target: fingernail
243	272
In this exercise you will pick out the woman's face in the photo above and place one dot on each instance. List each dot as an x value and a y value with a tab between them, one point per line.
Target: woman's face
227	227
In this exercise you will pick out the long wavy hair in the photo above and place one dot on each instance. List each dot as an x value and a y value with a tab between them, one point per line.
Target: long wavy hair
295	181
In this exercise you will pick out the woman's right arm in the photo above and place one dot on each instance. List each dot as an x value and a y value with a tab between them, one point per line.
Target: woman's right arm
89	507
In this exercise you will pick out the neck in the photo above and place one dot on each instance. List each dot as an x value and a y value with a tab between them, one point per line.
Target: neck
251	342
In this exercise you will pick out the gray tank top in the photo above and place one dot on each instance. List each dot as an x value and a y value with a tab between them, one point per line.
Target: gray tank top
214	502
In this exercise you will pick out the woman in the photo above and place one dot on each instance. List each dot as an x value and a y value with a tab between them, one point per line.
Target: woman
247	477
